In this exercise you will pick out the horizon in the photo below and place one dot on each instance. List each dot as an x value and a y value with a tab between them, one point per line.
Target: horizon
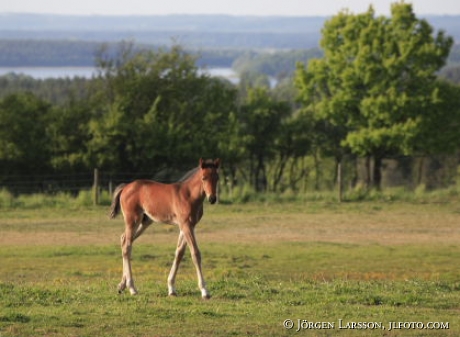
195	14
259	8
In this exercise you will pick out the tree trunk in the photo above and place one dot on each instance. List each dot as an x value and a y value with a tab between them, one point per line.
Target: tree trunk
252	173
317	170
421	163
339	178
261	177
377	173
367	167
279	173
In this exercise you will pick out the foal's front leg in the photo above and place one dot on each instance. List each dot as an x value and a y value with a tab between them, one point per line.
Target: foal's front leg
189	235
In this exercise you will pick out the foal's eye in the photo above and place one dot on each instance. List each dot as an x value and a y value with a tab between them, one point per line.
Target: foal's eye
204	178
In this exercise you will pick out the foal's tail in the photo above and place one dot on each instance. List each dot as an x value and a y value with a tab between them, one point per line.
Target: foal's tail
115	207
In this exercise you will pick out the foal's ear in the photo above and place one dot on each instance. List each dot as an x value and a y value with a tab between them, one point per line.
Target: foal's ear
202	162
217	163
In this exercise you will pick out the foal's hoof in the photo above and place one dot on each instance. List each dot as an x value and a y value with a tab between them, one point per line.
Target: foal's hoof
206	297
172	294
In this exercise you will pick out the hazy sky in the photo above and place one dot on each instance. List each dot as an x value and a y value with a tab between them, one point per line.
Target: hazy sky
232	7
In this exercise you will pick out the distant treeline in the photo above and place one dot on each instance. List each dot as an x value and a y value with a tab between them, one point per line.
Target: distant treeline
21	53
55	53
191	31
190	39
176	22
279	64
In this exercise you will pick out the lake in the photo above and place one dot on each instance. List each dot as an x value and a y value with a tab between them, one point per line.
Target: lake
88	72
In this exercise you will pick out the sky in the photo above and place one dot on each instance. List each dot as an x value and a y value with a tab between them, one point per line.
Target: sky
231	7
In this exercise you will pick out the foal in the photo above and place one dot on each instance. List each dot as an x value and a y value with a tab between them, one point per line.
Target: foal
143	202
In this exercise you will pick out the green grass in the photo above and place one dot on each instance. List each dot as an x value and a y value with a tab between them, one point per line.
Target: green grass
70	291
263	262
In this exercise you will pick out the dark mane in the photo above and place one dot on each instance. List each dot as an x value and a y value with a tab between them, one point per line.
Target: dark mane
188	174
207	164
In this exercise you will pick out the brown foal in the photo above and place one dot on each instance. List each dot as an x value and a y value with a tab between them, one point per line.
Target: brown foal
144	202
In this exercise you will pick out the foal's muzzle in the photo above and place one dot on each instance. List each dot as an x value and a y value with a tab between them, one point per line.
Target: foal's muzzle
212	199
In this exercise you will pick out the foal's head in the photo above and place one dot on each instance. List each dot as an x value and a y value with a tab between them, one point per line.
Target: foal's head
209	178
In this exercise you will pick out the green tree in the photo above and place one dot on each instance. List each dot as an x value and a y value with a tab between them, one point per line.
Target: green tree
161	112
23	137
438	130
292	143
377	81
67	130
262	118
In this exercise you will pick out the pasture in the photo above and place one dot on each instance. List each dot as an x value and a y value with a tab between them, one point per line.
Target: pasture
352	269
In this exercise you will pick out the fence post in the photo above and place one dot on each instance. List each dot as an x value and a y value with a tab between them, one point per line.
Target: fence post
110	187
339	180
96	187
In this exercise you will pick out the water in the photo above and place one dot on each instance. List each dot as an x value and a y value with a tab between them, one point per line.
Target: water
88	72
226	73
50	72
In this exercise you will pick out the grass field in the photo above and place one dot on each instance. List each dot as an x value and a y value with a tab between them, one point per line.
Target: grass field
333	269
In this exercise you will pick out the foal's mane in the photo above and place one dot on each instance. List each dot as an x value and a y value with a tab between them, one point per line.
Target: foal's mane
188	174
206	164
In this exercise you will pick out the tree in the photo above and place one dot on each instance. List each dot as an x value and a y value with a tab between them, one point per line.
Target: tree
161	112
23	136
376	83
292	142
261	117
437	131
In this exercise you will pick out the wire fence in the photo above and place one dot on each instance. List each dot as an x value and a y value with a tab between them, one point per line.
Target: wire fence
46	183
69	183
75	182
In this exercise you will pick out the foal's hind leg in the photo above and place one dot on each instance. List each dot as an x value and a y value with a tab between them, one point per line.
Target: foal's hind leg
122	284
146	222
180	250
127	239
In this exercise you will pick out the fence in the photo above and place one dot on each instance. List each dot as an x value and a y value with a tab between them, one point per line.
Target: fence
75	182
431	172
68	183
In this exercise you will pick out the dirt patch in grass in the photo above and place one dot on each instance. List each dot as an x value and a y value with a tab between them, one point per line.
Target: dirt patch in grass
404	225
